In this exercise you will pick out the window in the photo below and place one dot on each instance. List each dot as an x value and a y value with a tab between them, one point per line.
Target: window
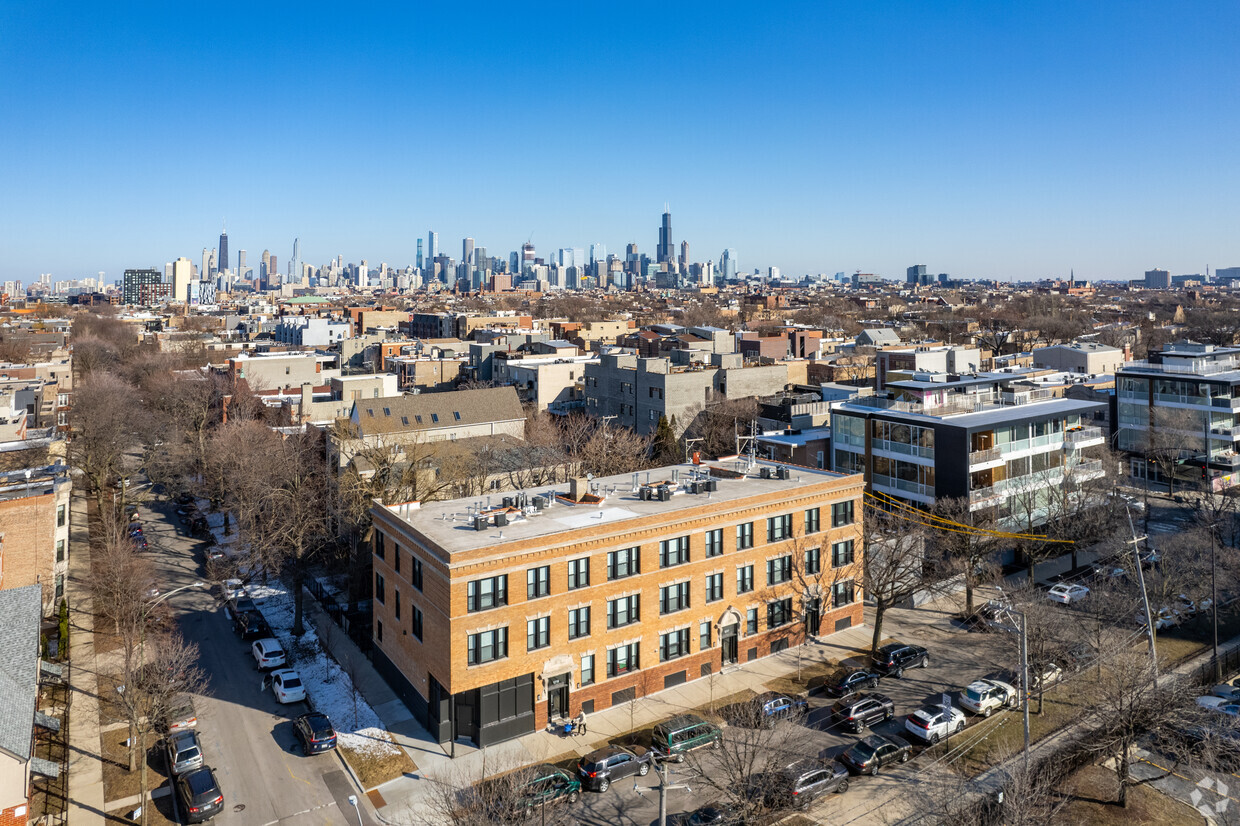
623	611
842	594
714	542
415	614
579	623
379	588
587	669
417	418
415	571
673	598
435	418
378	631
60	584
456	416
60	516
744	536
842	553
623	659
779	570
387	411
396	602
404	420
673	551
813	561
842	513
812	523
622	563
744	579
673	645
714	587
379	550
778	527
484	594
488	646
537	633
779	612
704	636
537	582
578	573
60	550
751	621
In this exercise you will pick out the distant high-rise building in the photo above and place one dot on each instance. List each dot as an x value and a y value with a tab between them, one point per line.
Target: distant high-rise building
264	269
916	274
223	257
664	252
274	274
419	253
241	263
137	285
294	269
527	256
206	262
182	275
1157	280
467	252
684	255
727	265
598	253
432	245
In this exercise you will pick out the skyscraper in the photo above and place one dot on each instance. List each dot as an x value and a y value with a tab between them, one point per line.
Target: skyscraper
182	274
137	287
432	245
206	262
295	264
264	270
598	253
419	253
664	253
241	263
275	272
727	265
527	256
684	255
222	260
916	274
467	253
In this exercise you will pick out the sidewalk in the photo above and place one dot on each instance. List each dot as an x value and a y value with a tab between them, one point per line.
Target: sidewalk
86	801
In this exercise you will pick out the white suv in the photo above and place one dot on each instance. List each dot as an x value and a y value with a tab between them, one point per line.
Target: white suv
268	653
987	696
933	723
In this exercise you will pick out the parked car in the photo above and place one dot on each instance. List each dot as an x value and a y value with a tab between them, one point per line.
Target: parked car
537	786
715	814
1067	593
1190	608
200	795
251	626
286	684
869	754
242	605
986	696
1231	707
847	680
1103	572
179	716
857	711
183	751
1226	691
1164	618
268	653
600	767
315	732
773	705
993	616
673	739
932	723
1042	676
892	659
214	554
799	784
231	589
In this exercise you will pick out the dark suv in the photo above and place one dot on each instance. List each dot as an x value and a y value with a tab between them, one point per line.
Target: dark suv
315	732
250	625
857	711
869	754
799	784
545	785
600	767
892	659
201	798
682	734
847	680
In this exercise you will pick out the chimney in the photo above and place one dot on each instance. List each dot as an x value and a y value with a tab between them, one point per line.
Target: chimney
578	487
307	396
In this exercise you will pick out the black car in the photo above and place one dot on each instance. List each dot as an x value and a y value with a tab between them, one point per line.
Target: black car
798	784
892	659
773	705
315	733
600	767
716	814
242	605
200	796
186	512
869	754
857	711
847	680
250	625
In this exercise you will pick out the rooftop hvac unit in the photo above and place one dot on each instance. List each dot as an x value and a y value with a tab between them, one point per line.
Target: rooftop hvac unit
540	502
647	494
501	519
695	486
784	473
481	523
665	494
710	485
765	472
509	501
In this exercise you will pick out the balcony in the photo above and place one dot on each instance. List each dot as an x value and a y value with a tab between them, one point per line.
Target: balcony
985	457
1083	437
985	497
1224	401
1225	433
1082	471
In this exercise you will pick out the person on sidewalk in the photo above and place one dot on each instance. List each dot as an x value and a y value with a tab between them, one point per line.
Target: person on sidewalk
580	722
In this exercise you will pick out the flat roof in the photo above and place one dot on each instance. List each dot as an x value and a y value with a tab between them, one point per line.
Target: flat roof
992	415
450	524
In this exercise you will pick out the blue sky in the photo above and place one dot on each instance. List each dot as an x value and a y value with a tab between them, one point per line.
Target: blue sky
1009	140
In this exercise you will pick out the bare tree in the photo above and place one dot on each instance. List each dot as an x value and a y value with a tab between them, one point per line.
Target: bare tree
895	564
107	421
968	550
498	793
1174	433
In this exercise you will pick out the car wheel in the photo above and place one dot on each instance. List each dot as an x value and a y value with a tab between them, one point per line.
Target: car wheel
574	795
643	769
873	683
874	770
925	660
960	726
904	757
888	715
604	785
934	739
842	787
986	713
898	673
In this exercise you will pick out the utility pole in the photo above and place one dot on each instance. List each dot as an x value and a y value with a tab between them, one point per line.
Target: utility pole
1145	597
664	787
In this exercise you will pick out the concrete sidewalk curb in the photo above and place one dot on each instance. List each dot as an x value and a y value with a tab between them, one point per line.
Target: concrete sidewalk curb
86	804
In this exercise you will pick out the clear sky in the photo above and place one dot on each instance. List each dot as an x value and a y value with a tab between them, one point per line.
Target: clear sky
984	139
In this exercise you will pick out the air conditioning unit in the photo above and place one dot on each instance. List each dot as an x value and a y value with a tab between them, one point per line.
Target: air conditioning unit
540	502
765	472
665	494
501	519
509	501
710	485
784	473
481	523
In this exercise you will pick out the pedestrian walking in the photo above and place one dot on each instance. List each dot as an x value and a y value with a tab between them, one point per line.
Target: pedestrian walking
580	728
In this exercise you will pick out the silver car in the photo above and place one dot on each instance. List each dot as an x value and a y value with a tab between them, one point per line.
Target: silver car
183	751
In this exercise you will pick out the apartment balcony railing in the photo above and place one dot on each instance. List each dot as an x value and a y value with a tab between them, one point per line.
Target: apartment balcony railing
894	483
1085	434
980	497
1196	367
980	457
903	447
1086	470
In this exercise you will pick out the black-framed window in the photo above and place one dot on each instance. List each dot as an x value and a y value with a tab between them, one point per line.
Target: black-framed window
537	633
587	669
673	645
578	573
751	621
673	551
813	561
396	603
779	612
60	516
842	594
623	659
813	522
704	635
396	559
380	589
744	579
624	611
488	646
485	594
842	553
378	544
624	562
779	569
579	622
415	616
415	571
714	587
714	542
842	513
778	527
673	598
744	536
538	582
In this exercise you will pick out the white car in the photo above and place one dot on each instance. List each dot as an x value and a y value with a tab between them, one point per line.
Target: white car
233	588
1165	618
1231	707
984	697
1067	593
1047	675
268	653
288	686
933	723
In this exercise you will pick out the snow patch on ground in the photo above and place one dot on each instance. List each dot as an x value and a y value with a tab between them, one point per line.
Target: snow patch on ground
329	688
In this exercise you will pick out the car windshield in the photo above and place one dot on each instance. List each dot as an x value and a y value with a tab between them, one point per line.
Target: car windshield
861	752
290	682
188	754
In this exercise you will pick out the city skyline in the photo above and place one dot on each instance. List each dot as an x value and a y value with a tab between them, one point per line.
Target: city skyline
987	141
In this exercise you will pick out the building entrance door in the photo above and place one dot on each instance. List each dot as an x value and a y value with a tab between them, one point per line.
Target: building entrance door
728	644
557	696
813	617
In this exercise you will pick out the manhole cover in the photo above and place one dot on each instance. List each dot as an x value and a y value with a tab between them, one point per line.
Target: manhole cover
240	807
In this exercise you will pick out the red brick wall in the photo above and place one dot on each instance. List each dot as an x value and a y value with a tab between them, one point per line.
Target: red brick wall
10	817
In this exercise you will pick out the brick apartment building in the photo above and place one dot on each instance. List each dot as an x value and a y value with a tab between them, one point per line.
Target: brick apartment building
34	530
621	586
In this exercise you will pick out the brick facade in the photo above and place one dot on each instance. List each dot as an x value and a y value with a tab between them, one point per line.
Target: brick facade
15	816
34	536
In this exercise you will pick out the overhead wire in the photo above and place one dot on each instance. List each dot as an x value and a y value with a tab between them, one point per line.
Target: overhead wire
884	506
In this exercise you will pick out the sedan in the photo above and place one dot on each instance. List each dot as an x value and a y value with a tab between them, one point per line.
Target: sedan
1227	692
1164	618
868	755
183	751
1231	707
857	711
201	798
847	680
315	732
1044	676
772	705
717	814
933	723
1067	593
251	626
287	686
600	767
